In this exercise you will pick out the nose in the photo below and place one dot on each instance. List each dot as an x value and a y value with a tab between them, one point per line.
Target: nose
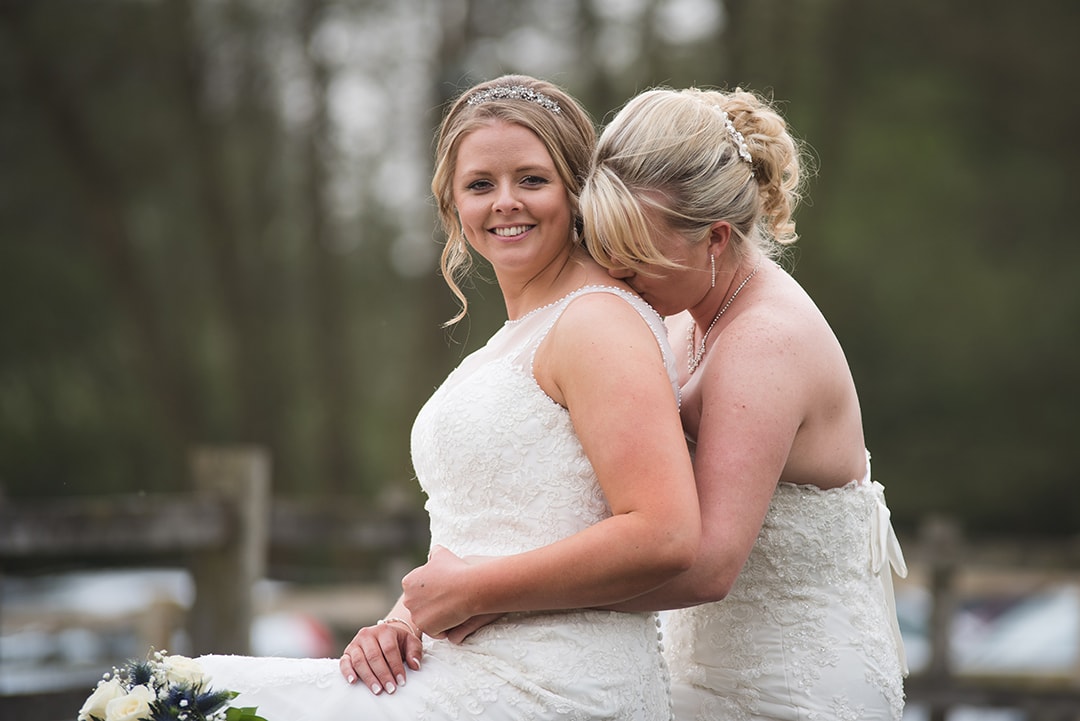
506	199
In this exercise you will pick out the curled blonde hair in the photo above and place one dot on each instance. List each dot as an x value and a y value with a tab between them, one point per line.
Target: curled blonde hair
669	151
559	121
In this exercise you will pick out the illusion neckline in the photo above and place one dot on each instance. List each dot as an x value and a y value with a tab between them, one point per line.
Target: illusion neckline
561	299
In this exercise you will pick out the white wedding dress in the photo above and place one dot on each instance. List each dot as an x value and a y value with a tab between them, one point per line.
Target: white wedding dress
504	473
809	630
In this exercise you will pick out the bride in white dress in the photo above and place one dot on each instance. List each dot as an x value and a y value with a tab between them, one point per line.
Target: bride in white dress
690	199
555	451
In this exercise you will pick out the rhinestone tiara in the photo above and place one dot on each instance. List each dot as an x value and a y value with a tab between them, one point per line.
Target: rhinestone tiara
740	141
514	92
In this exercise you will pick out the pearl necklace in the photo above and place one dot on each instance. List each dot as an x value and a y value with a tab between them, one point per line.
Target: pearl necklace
693	358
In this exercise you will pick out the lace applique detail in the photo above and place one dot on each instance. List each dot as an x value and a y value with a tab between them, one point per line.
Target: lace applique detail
842	710
806	622
597	656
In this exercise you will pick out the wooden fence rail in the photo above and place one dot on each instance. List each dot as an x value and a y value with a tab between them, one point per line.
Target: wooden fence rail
220	533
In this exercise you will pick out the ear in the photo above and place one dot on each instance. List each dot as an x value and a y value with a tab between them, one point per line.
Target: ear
719	236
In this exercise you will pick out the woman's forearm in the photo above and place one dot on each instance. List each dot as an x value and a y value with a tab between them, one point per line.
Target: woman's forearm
613	561
683	591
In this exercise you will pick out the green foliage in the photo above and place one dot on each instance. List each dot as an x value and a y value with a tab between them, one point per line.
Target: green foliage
247	713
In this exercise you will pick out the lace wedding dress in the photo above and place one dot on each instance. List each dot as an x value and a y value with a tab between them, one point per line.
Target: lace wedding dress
504	473
809	630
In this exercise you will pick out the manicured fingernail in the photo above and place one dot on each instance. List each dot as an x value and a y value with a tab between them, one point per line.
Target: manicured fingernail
351	679
390	688
415	664
400	680
376	689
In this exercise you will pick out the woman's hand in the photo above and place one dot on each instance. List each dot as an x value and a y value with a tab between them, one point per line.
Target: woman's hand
378	654
437	594
457	634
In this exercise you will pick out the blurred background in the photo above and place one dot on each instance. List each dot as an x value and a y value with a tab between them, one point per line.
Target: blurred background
216	229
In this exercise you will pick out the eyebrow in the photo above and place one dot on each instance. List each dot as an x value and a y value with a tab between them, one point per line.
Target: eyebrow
466	170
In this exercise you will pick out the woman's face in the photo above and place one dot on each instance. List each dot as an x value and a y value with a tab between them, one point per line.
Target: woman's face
512	204
670	290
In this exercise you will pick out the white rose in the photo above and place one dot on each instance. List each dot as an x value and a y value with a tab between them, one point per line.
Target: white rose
105	692
133	707
181	669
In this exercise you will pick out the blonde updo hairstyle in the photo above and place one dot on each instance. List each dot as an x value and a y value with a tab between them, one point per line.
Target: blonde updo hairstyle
569	136
670	151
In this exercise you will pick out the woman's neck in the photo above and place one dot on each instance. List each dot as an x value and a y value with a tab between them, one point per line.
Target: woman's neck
729	284
564	274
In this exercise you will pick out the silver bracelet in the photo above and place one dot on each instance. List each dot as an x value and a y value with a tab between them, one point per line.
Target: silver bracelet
394	619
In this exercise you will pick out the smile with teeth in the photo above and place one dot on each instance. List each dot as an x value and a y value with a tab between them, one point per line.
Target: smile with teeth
511	231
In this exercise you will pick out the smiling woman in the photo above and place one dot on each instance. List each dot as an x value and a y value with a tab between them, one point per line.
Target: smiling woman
553	460
511	202
567	138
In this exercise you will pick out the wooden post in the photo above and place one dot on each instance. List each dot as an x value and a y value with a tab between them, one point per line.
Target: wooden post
942	539
223	611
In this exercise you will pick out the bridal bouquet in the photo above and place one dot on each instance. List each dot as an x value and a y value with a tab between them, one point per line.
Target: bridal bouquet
164	688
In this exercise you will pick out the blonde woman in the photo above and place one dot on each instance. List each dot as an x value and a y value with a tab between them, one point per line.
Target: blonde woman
788	610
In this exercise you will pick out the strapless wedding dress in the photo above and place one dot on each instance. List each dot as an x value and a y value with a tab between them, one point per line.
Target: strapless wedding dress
504	473
809	630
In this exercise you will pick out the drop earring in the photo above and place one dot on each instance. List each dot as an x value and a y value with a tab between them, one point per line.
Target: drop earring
712	260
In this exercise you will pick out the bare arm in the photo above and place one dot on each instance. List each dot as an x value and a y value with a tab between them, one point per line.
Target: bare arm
753	396
603	364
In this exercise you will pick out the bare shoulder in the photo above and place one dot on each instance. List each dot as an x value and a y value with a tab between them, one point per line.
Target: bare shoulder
600	344
778	347
603	316
782	318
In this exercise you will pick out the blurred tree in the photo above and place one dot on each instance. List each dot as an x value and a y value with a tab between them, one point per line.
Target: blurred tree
199	219
215	225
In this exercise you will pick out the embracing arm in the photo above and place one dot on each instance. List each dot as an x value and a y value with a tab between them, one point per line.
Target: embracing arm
753	397
604	365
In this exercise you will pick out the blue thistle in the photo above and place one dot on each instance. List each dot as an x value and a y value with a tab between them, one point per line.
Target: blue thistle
162	711
207	702
141	673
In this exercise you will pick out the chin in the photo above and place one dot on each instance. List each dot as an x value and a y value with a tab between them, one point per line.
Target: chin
659	306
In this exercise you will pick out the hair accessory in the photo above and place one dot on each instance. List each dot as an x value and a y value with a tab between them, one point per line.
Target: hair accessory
740	141
514	92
